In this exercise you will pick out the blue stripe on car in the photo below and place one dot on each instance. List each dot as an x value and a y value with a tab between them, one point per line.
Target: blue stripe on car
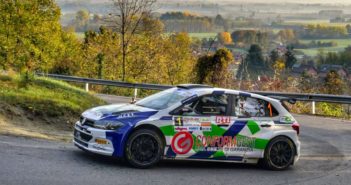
218	92
202	155
166	118
119	137
235	128
244	94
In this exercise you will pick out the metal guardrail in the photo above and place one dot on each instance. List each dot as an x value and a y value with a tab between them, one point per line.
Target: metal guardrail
309	97
106	82
296	96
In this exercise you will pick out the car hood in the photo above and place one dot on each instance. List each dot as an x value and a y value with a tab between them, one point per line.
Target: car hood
115	110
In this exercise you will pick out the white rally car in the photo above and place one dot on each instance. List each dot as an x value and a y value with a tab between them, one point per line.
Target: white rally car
193	122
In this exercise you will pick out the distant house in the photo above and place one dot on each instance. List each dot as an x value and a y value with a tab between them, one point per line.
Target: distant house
299	69
326	68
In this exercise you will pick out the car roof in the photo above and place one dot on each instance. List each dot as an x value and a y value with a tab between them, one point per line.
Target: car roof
205	89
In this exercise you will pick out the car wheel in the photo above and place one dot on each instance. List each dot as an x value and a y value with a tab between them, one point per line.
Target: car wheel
279	154
144	148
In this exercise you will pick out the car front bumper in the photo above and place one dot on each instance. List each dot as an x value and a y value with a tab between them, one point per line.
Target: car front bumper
86	138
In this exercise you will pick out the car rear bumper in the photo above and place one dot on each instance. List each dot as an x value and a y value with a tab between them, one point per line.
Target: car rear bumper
86	138
297	156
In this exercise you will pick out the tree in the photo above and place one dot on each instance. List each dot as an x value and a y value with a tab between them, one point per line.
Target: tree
333	84
224	38
126	21
71	55
82	19
254	65
273	56
348	27
214	69
179	58
219	20
290	58
287	36
100	57
278	67
305	82
31	38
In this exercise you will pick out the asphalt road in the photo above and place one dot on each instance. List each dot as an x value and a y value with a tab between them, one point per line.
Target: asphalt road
326	156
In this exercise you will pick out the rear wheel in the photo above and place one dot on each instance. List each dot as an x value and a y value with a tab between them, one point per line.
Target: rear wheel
144	148
279	154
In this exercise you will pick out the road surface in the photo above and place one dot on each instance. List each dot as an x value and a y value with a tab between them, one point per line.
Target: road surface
326	156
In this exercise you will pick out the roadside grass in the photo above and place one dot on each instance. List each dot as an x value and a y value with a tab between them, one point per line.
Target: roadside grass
342	44
46	97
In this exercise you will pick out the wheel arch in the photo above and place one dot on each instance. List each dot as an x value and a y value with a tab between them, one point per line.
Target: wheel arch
151	127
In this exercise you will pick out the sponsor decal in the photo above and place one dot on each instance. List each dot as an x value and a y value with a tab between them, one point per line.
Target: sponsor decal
286	119
225	143
206	128
178	121
125	115
182	142
181	128
223	120
205	124
192	124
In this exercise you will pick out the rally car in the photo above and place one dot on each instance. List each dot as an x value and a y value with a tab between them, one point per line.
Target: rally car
193	122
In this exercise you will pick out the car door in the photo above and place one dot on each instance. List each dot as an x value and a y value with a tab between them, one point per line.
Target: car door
259	116
207	129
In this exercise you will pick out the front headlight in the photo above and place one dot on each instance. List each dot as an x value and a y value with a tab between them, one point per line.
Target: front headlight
108	124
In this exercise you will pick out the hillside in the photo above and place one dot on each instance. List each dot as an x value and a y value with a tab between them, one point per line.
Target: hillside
45	108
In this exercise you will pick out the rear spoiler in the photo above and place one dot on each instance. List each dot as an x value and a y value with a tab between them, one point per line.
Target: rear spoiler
284	99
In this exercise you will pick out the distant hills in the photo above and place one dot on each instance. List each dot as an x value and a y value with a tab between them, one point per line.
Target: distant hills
234	1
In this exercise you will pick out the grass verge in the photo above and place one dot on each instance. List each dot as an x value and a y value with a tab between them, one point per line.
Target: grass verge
44	108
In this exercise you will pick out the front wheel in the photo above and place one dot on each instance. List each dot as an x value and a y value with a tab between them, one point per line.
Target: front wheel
144	148
279	154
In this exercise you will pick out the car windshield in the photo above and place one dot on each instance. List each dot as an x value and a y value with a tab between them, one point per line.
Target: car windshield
164	99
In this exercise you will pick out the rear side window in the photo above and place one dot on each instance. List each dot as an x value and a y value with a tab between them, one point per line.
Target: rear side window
254	107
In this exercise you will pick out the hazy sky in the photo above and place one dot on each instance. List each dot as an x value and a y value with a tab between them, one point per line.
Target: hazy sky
274	1
255	1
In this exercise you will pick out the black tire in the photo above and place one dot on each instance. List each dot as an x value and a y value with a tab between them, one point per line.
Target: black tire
144	148
279	154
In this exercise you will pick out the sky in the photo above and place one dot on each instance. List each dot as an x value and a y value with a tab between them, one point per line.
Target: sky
277	1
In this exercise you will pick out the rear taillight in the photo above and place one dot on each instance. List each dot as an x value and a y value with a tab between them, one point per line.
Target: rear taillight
296	127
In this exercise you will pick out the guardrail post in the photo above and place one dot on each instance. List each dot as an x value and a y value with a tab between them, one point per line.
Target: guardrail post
135	94
87	87
313	107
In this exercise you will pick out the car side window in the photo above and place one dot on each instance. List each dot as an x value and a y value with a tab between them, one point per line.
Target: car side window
209	105
253	107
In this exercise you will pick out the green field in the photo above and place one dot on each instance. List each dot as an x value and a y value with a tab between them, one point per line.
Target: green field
203	35
306	22
342	44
